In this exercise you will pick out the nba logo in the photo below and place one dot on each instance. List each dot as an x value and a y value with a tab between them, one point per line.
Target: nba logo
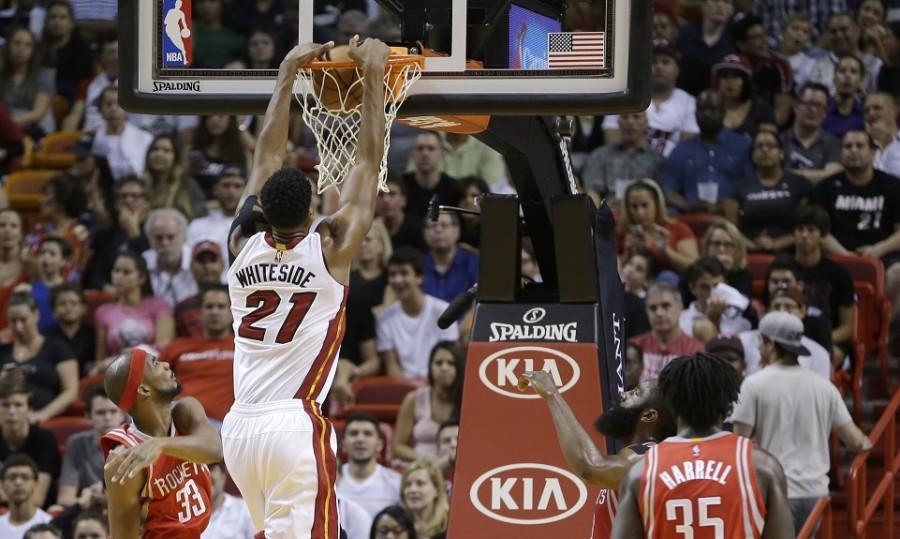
177	36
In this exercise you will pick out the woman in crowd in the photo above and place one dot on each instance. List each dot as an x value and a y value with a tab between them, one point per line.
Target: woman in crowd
47	366
27	87
424	409
724	242
261	50
123	144
63	202
765	205
12	263
646	225
423	494
168	184
743	113
136	316
473	188
69	54
218	142
393	522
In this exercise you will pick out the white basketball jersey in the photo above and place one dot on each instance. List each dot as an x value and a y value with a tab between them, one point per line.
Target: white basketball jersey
288	320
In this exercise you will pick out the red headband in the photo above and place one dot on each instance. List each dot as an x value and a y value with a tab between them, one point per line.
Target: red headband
135	376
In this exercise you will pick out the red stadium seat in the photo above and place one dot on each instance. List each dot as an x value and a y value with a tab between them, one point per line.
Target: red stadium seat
55	151
864	269
383	389
78	406
63	427
758	264
699	222
92	300
384	412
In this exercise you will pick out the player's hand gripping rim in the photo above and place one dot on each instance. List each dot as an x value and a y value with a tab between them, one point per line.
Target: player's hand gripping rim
303	54
372	53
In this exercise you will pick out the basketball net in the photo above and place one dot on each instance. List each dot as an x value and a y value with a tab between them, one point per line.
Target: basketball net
336	127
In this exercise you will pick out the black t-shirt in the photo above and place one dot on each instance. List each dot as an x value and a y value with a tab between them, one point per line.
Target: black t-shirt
105	247
860	215
818	329
409	234
41	446
771	209
742	281
828	287
364	294
40	370
760	113
447	190
83	344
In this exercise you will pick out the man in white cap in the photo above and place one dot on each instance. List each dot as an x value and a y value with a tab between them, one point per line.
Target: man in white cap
790	411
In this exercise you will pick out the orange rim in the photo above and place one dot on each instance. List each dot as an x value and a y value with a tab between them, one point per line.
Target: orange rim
395	60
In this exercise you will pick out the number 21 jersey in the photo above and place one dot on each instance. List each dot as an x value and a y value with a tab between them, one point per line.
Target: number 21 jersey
288	319
702	488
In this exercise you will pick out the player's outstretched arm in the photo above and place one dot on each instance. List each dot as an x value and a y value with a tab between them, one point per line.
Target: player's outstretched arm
770	476
124	503
199	442
579	450
268	155
351	222
628	523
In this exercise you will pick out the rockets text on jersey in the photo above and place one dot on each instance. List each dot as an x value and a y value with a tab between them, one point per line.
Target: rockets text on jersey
703	488
178	493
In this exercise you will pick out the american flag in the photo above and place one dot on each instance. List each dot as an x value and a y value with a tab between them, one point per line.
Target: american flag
568	50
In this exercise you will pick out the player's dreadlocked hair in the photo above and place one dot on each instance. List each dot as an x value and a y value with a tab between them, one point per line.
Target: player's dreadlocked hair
285	198
701	389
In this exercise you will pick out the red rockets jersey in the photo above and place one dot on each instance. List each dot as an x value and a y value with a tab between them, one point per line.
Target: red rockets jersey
608	502
704	488
177	495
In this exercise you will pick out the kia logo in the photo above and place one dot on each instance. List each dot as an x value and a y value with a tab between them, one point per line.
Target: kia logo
533	316
528	493
500	371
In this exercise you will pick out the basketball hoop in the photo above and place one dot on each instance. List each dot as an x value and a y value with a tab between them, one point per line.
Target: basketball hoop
332	109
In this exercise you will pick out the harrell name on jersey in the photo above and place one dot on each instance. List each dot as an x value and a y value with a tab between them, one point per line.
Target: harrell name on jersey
701	488
288	320
178	493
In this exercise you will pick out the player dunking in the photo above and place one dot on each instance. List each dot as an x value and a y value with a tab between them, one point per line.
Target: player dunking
288	291
704	483
156	476
640	421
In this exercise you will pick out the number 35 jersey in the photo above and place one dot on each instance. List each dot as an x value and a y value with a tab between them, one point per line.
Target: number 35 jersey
288	319
177	495
703	488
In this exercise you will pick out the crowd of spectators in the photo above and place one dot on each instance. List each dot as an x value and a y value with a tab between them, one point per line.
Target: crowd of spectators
777	120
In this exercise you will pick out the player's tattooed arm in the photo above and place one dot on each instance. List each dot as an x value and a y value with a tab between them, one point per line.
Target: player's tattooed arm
124	502
580	452
628	523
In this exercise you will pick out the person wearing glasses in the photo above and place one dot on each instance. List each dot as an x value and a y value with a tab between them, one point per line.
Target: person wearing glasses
809	151
764	205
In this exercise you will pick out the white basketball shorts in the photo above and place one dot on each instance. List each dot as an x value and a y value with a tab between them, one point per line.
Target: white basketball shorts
281	455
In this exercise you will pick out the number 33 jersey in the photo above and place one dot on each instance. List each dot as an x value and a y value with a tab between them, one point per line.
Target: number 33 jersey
288	320
178	494
702	488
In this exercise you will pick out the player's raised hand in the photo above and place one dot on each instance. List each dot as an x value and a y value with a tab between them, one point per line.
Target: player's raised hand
303	54
370	53
540	381
127	463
